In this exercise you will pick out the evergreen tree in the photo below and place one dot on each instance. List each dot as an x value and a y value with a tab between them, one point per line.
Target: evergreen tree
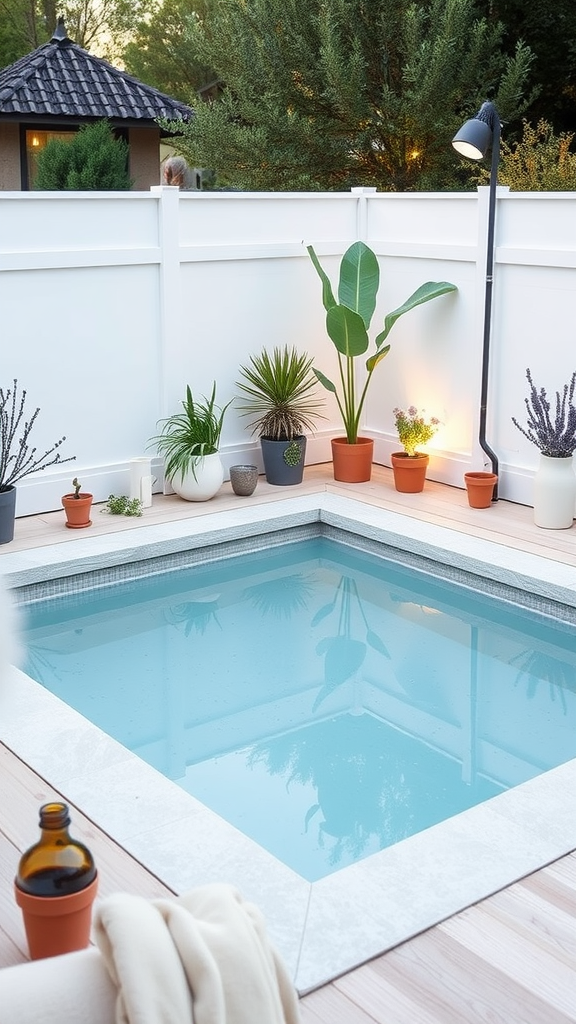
326	94
93	160
160	52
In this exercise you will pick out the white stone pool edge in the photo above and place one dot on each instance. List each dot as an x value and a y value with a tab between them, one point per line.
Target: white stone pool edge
328	927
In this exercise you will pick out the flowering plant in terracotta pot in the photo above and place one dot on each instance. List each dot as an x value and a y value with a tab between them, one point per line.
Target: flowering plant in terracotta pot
414	429
410	465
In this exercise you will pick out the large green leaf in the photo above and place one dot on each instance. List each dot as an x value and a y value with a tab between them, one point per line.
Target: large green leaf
347	331
430	290
359	280
327	293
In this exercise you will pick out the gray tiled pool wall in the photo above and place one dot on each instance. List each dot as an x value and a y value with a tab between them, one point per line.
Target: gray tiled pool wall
82	583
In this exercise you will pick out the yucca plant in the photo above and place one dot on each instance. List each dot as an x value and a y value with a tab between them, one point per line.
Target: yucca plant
188	436
276	392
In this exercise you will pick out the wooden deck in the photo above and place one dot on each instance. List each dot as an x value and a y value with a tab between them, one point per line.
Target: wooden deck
510	959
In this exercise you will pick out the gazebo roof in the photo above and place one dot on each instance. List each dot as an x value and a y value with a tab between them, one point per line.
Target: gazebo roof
60	81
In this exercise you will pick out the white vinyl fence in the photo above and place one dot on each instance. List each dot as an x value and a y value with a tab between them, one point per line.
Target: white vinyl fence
112	302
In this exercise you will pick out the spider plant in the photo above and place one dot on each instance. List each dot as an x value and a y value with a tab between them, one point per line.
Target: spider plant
190	435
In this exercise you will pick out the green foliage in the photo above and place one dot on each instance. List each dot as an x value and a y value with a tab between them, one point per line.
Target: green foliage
329	95
413	429
103	27
93	160
348	320
276	391
293	454
160	51
540	162
123	506
187	436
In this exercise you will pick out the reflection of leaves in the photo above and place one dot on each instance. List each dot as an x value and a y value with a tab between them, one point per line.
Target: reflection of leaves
538	667
281	597
342	658
195	615
344	654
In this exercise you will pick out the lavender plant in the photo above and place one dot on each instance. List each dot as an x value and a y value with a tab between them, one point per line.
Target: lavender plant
555	437
17	458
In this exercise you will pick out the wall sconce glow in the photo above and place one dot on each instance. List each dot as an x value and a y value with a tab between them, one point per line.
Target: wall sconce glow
35	140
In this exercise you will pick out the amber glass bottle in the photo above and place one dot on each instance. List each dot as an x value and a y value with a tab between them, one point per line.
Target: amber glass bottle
56	865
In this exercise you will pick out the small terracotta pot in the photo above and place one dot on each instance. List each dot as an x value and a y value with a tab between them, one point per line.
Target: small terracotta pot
77	510
352	463
409	471
480	488
57	924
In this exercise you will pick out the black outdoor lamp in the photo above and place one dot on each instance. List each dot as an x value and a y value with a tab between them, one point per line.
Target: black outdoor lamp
473	141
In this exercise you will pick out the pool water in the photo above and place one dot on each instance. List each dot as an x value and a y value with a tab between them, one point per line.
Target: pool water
324	701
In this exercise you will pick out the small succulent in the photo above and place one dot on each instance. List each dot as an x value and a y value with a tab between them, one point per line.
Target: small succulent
76	485
556	437
123	506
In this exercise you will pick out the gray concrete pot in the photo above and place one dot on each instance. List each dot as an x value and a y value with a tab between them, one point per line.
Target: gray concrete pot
279	458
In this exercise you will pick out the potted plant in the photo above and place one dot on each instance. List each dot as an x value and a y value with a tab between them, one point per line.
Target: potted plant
190	441
409	466
276	390
555	437
17	458
77	505
347	324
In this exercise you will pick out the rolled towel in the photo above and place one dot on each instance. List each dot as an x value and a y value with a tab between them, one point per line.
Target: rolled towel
203	957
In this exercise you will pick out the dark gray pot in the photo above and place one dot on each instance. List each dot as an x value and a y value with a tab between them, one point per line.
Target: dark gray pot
7	513
277	470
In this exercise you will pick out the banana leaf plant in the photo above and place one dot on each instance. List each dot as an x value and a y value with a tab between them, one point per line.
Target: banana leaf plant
348	321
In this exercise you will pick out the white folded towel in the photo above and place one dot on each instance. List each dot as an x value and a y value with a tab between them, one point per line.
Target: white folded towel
203	958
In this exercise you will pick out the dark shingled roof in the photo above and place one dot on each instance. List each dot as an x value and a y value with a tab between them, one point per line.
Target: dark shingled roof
61	81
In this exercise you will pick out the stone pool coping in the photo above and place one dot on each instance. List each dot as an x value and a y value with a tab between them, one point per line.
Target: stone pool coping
325	928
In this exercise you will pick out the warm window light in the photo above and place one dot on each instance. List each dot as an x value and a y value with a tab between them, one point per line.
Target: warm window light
414	154
35	140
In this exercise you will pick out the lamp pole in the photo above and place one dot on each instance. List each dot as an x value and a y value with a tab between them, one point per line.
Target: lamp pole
472	141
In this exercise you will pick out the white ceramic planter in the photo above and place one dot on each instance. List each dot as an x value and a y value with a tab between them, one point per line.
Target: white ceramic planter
203	484
554	493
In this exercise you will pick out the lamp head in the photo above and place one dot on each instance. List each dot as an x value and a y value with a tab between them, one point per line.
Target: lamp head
474	137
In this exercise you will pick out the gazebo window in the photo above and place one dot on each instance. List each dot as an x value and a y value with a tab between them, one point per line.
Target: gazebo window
36	140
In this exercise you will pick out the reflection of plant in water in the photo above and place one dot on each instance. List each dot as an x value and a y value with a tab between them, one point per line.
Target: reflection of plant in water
281	597
360	783
195	615
539	667
343	654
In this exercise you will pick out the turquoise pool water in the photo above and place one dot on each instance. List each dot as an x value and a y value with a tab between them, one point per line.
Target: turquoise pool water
326	702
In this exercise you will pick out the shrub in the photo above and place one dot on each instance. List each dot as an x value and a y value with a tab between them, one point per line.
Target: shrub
93	160
540	162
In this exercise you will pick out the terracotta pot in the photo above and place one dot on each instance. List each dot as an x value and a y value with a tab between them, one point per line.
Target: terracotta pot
480	488
77	510
57	924
352	462
409	471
